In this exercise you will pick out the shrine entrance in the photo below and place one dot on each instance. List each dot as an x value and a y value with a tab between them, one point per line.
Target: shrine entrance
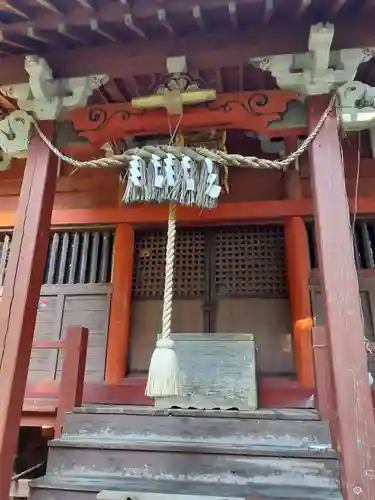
227	280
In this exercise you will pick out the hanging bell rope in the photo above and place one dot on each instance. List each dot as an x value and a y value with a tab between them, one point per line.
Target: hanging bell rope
164	374
196	154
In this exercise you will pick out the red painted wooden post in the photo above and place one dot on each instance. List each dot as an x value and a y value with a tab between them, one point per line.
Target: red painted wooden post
18	306
297	259
119	321
72	374
342	308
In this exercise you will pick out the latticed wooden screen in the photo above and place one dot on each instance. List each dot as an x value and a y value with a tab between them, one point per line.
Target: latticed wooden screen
73	257
250	261
149	263
246	261
363	241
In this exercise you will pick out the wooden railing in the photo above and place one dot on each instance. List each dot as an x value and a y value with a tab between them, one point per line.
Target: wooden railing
73	370
70	388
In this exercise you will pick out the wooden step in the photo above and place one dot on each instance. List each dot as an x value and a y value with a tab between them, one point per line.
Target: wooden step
202	447
266	413
227	468
87	488
252	433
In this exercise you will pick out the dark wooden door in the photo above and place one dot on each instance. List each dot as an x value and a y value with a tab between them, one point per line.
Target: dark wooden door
76	291
227	280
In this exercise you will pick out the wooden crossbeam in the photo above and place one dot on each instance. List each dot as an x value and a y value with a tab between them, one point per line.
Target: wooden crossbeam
129	23
336	6
8	7
163	19
197	14
303	6
62	29
232	11
95	27
46	4
269	7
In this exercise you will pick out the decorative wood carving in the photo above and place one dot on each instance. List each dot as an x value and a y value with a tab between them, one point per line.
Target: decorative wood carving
47	97
319	70
246	111
356	106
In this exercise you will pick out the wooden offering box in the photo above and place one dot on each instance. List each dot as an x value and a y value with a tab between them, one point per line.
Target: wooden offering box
217	370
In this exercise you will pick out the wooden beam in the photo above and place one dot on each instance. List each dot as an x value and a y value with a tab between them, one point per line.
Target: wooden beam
130	24
119	321
342	308
232	11
225	213
18	306
163	20
269	8
336	6
244	111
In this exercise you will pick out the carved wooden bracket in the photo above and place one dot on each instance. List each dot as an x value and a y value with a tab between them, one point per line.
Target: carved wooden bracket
319	70
47	97
15	130
356	106
253	111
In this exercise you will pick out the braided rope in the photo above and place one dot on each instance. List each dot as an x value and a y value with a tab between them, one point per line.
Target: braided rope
197	154
169	272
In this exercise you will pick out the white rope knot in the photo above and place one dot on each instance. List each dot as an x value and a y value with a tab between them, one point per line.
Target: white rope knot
167	343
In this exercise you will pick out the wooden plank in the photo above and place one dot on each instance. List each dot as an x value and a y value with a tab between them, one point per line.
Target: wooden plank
4	257
224	213
297	259
324	380
53	258
260	432
104	258
342	308
94	257
126	495
18	306
84	257
63	259
74	260
119	321
260	474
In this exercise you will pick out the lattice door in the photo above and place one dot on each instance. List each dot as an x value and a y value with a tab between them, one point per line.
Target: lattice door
251	291
250	261
148	288
226	280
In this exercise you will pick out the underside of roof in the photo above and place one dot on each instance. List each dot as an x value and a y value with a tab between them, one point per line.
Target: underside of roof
130	40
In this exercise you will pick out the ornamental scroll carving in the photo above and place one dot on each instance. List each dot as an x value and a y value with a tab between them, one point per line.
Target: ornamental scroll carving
253	111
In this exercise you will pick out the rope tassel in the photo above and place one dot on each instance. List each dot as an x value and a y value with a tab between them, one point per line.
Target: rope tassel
164	373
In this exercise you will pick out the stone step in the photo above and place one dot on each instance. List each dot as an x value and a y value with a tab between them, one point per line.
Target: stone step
87	488
272	448
247	429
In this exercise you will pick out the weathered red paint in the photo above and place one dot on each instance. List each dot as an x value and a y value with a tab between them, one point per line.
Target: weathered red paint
18	306
342	308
